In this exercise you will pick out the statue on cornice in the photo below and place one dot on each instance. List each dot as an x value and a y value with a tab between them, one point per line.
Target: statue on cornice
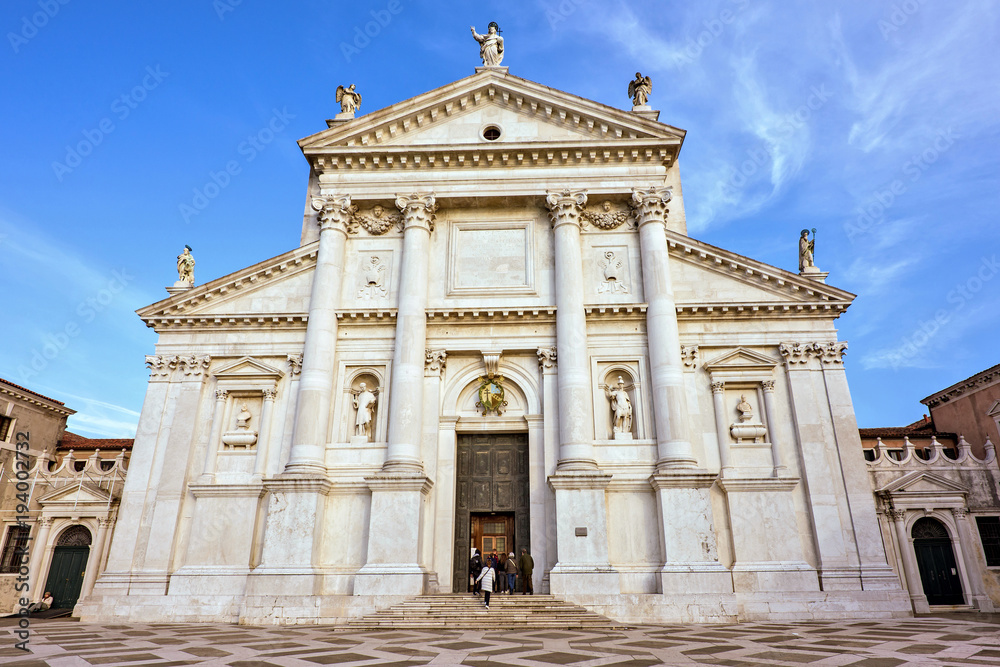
350	100
490	45
639	89
807	247
185	266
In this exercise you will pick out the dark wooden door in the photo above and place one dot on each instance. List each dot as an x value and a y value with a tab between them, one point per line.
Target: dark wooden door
492	487
66	575
938	571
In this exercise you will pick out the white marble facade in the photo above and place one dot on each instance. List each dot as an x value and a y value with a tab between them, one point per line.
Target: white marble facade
556	253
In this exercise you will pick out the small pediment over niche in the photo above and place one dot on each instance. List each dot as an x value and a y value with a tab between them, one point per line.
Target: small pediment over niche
741	359
78	494
994	410
248	368
923	483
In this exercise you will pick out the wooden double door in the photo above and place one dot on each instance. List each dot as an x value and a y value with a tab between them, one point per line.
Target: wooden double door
491	499
69	565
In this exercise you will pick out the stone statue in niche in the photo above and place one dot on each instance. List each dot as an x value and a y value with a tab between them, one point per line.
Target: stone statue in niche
621	410
373	279
241	436
747	428
639	90
611	267
364	403
350	100
185	266
490	45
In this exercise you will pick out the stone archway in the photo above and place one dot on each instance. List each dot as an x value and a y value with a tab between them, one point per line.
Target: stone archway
68	567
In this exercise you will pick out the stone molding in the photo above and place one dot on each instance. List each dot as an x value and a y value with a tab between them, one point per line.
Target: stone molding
650	205
969	385
736	484
418	210
227	490
574	480
682	480
400	482
566	207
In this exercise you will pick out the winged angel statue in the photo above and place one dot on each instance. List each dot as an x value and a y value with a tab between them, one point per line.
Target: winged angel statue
639	89
349	99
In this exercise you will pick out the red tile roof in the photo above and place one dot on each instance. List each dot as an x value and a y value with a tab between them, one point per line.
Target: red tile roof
73	441
28	391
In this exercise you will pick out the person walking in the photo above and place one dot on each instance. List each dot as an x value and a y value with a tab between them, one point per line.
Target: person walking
485	580
475	567
525	565
510	568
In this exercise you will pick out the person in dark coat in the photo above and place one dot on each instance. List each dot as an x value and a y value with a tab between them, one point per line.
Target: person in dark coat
475	567
510	568
525	565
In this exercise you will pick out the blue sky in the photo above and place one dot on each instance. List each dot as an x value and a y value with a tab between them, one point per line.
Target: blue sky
875	122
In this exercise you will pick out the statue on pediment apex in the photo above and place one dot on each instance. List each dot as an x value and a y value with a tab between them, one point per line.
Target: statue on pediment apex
490	45
639	89
350	100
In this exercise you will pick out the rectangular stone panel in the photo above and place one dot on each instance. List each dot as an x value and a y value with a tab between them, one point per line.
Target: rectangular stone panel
491	259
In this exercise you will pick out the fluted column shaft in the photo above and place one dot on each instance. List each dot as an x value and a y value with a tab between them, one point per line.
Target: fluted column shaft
669	401
312	410
576	410
406	391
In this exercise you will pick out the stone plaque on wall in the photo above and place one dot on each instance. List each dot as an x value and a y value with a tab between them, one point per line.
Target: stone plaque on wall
491	259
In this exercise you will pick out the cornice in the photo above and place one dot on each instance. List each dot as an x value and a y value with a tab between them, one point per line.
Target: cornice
966	386
45	405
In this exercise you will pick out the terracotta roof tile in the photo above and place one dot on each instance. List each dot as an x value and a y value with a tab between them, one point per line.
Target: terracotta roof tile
28	391
72	440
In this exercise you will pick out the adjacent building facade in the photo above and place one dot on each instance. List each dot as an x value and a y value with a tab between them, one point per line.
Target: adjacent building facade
58	500
496	333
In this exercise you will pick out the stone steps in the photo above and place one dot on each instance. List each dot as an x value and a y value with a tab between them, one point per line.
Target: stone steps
466	612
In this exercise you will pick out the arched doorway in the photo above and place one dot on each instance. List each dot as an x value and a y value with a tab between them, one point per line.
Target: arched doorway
936	561
69	564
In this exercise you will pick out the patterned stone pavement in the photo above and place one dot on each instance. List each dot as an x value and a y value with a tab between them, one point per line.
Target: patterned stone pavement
921	641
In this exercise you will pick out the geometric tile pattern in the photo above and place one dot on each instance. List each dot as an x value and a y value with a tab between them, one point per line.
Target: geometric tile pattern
944	642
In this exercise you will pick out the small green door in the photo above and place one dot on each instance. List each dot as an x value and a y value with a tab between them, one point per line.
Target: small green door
66	575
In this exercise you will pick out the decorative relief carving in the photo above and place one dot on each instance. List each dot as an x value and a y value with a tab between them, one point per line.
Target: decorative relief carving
689	355
241	436
959	512
294	364
418	210
546	357
373	279
435	360
157	366
336	212
718	387
221	394
799	353
896	515
566	206
380	221
190	365
768	385
491	391
612	267
270	394
651	205
607	217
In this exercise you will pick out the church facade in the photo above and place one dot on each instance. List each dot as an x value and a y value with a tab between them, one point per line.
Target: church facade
497	334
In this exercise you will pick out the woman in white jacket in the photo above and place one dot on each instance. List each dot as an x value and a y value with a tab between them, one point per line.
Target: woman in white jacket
486	578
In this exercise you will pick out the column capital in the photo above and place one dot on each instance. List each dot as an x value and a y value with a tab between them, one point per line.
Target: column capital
221	394
434	362
718	387
566	206
959	512
335	212
270	394
768	385
105	523
650	205
546	357
418	210
896	515
46	522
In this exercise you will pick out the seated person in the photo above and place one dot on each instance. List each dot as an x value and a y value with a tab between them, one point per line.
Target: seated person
42	605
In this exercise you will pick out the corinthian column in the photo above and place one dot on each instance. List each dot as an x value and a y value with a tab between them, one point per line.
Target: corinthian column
576	409
312	410
406	392
669	401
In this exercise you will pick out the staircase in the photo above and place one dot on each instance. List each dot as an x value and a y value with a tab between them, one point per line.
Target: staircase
466	612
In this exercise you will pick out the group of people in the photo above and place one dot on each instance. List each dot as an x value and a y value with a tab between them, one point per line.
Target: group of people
499	573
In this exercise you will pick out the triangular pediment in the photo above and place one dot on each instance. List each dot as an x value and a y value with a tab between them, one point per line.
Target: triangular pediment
741	359
529	114
923	483
79	494
247	368
710	279
994	410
